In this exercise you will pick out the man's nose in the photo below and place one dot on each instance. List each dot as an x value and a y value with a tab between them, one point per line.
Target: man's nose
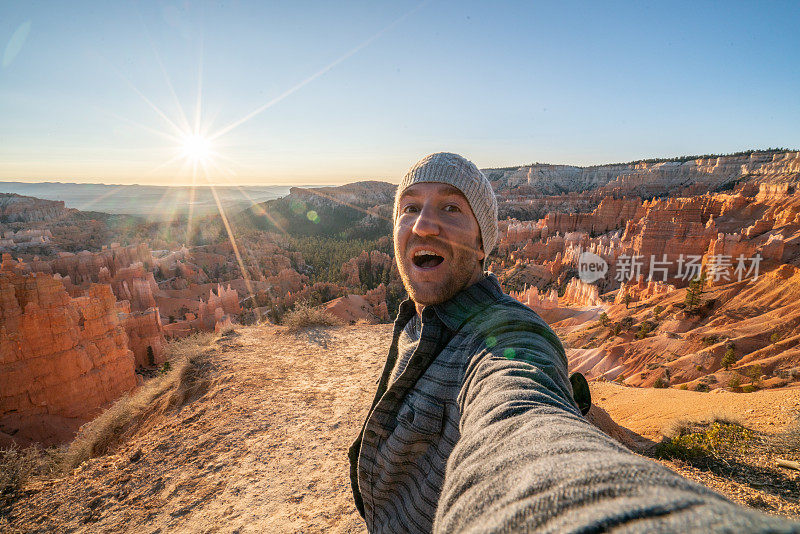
427	222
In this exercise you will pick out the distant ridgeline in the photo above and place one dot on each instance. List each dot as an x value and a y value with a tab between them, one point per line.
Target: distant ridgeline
679	159
360	210
652	178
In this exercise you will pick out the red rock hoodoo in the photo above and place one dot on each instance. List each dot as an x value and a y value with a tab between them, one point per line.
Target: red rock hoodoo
61	358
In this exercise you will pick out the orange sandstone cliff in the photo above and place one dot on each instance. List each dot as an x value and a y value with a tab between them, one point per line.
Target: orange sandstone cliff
62	358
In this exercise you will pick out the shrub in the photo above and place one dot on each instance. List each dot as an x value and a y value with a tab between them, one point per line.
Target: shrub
644	328
684	387
178	385
661	383
604	319
735	382
626	323
658	309
755	373
709	340
720	439
703	388
626	299
750	388
729	358
699	367
304	316
774	338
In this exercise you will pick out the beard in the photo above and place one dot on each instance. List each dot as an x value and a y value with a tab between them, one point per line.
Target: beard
460	269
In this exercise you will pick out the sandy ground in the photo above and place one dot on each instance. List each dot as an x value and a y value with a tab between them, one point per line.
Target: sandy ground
265	450
652	412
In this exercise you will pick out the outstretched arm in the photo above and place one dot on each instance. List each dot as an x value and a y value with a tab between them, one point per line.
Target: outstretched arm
527	460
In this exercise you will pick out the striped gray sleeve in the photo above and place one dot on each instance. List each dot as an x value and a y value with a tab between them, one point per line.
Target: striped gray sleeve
527	460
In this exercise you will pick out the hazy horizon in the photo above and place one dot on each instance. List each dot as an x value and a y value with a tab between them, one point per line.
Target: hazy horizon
152	202
393	180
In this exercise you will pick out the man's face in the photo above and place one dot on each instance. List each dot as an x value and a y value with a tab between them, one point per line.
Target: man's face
437	243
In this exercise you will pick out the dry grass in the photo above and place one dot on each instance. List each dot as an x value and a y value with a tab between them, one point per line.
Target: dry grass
185	381
17	466
304	316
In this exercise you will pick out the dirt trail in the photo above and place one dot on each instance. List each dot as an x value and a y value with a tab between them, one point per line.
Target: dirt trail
265	450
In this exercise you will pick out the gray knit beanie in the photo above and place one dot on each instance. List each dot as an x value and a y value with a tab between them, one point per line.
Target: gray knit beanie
452	169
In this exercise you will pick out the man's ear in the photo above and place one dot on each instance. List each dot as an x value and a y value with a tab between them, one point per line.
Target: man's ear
479	246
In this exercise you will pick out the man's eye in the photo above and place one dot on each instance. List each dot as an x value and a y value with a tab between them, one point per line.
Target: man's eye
410	208
452	208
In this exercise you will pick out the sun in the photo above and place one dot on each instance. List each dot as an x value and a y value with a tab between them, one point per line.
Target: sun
196	148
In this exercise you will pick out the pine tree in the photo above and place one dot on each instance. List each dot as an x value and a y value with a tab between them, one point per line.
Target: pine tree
729	358
694	291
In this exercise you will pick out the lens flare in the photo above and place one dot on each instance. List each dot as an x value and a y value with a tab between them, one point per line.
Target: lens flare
196	148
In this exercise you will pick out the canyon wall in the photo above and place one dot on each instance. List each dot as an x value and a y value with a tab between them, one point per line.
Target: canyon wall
224	302
86	267
62	358
127	271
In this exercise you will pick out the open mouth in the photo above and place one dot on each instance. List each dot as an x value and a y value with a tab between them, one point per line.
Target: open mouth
426	259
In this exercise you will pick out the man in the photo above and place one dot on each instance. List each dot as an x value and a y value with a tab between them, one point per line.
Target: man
473	426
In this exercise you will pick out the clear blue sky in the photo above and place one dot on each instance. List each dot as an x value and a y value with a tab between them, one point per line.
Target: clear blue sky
503	83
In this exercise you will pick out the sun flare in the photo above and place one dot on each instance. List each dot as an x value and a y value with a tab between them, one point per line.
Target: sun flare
196	148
